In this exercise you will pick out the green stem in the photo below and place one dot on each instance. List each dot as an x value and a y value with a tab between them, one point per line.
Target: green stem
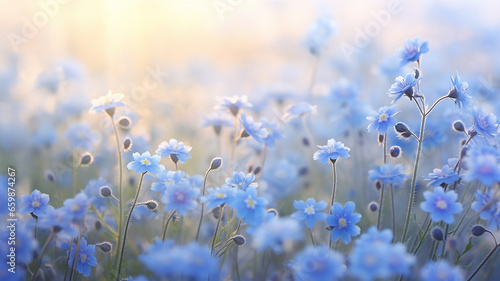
483	262
334	186
101	219
77	250
202	204
120	189
217	229
414	178
126	228
312	237
67	260
393	211
164	235
381	200
42	251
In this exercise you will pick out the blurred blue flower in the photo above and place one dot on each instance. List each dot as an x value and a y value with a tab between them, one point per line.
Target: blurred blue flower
383	119
60	218
331	151
440	271
36	203
281	178
482	163
388	174
485	125
462	100
217	120
317	264
84	255
175	262
276	234
180	197
343	92
174	147
81	135
242	181
373	235
146	163
106	102
233	104
412	50
445	175
441	205
167	179
273	131
319	33
217	197
249	206
298	110
310	211
253	129
403	86
343	220
491	211
77	207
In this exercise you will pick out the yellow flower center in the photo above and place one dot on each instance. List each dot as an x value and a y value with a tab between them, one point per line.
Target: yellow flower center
370	260
75	208
221	195
250	203
83	257
309	210
145	162
383	117
441	204
35	204
342	222
180	196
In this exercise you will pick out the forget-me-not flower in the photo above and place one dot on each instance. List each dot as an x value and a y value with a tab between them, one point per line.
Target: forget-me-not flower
445	175
242	181
233	104
457	92
276	233
343	220
249	206
383	119
441	205
310	211
412	50
317	264
146	163
485	125
180	197
388	174
107	102
440	271
174	147
482	162
331	151
84	257
36	203
219	196
403	86
253	129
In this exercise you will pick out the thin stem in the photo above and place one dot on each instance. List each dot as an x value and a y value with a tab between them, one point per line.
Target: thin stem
42	251
120	189
77	250
381	200
312	237
423	237
419	107
217	229
67	260
202	204
164	235
126	227
483	262
393	211
334	186
444	241
101	219
414	178
435	103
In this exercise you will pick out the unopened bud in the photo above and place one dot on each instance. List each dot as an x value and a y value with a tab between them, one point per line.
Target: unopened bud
380	139
98	225
273	211
459	126
239	240
105	191
125	122
437	233
395	151
303	171
378	185
104	246
402	130
86	159
151	204
216	163
127	144
305	141
257	170
417	73
478	230
373	206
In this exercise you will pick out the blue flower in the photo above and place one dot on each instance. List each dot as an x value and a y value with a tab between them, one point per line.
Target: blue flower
388	174
403	86
174	147
281	178
217	197
36	203
167	179
276	233
273	132
84	255
440	271
412	50
174	262
310	211
382	120
242	181
344	220
146	163
319	33
298	110
106	102
442	205
77	207
343	92
81	135
374	256
331	151
482	163
249	206
491	211
180	197
217	120
457	93
446	175
62	219
485	125
253	129
234	104
317	264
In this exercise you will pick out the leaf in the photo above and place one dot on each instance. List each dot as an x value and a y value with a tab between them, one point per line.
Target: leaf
468	246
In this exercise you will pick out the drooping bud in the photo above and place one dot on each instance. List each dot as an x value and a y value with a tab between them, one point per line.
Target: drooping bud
125	122
238	240
104	246
127	144
459	126
105	191
402	130
373	206
151	204
437	233
305	141
257	170
216	163
380	139
378	185
395	151
86	159
478	230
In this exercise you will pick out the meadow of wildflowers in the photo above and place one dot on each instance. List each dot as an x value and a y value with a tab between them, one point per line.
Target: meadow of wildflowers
318	140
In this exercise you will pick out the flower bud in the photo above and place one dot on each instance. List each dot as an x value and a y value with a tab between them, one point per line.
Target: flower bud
402	130
174	158
478	230
417	73
105	191
378	185
257	170
127	144
273	211
151	204
50	176
459	126
303	171
453	93
86	159
216	163
98	225
238	240
125	122
373	206
380	139
104	246
395	151
305	141
437	233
